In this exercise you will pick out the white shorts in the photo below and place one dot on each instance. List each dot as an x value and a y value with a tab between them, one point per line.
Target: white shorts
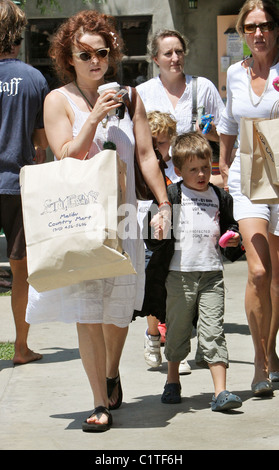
244	208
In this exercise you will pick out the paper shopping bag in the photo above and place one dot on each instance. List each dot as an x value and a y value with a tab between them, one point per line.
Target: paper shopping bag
256	181
70	213
268	133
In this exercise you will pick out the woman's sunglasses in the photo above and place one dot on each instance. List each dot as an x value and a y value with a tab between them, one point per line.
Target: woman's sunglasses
86	56
264	27
18	41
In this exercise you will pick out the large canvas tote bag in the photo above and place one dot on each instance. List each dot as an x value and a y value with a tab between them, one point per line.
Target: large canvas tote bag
256	180
268	132
70	213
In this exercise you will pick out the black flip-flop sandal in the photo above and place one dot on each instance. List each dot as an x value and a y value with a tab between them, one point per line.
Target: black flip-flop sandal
95	427
111	384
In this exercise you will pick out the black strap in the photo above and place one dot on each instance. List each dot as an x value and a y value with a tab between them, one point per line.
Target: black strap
194	102
131	104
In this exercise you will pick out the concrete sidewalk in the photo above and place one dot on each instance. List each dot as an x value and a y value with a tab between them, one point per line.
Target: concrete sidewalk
43	404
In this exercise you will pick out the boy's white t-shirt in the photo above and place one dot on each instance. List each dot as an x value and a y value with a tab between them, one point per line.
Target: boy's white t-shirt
197	232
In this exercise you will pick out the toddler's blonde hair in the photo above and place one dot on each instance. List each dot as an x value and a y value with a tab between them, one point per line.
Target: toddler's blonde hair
162	123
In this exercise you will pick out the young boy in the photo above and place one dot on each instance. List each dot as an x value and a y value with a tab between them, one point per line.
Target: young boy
163	130
194	284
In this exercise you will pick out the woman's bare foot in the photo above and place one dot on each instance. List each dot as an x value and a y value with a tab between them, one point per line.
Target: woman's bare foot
273	363
114	396
98	418
26	356
261	375
114	392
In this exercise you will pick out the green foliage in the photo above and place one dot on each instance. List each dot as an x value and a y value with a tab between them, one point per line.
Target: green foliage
43	5
46	5
7	351
5	292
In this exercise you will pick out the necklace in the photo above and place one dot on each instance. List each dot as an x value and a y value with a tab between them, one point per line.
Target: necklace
104	121
81	92
107	144
250	86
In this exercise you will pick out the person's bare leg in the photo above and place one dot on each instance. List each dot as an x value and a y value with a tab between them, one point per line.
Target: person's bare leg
19	300
273	360
173	372
115	338
257	296
218	373
93	355
152	325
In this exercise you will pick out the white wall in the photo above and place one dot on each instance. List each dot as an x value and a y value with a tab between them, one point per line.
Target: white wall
200	26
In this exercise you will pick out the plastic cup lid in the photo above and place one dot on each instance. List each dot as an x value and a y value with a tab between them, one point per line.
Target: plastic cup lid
108	86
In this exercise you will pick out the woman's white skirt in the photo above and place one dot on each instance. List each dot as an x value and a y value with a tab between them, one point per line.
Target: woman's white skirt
110	301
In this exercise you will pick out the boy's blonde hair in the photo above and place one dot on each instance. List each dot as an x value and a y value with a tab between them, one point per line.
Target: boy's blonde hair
187	146
162	123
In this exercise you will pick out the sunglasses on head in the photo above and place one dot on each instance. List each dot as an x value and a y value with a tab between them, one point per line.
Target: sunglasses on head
86	56
264	27
18	42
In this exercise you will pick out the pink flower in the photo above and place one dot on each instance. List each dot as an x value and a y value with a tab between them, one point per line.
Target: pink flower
275	83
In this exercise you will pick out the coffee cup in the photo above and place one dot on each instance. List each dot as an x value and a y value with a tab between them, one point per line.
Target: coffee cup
109	86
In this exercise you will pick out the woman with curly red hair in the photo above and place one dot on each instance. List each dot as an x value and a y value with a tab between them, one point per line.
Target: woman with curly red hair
78	122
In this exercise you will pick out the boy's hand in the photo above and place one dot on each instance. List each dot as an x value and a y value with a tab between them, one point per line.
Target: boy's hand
234	241
161	223
229	238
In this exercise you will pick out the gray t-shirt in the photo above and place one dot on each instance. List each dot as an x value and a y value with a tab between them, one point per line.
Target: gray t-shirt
22	93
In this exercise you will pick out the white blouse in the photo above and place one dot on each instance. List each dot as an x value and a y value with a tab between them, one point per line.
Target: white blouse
155	98
239	103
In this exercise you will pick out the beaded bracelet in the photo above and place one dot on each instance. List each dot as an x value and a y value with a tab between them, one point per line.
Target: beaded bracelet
165	203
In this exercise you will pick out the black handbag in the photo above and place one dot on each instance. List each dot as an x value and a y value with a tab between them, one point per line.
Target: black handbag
143	192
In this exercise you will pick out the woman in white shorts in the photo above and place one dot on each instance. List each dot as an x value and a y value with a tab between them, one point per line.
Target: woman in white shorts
250	93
